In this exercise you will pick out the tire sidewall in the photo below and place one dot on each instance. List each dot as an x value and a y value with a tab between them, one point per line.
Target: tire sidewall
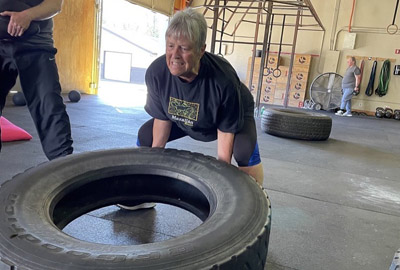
27	233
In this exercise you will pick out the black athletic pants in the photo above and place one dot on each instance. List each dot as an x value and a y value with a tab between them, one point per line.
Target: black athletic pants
39	79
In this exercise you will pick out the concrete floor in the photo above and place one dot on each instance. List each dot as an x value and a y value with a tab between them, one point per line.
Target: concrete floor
335	204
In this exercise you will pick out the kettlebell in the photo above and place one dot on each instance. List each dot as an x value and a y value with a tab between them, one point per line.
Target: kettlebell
306	104
388	113
379	112
396	115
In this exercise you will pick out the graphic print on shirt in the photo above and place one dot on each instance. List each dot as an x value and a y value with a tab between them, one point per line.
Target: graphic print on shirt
183	111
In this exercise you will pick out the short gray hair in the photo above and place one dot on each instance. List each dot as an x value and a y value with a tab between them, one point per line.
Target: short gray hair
188	24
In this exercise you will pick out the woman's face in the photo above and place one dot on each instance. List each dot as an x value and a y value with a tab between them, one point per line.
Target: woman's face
183	60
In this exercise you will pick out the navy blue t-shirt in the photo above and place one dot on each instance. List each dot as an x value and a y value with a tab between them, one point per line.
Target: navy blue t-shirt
215	99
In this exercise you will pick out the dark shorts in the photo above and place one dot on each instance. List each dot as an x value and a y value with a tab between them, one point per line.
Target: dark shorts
245	146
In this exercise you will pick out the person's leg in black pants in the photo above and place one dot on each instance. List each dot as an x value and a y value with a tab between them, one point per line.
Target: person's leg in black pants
40	84
8	76
145	134
246	152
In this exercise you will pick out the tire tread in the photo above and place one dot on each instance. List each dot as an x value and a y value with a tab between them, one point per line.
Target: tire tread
296	125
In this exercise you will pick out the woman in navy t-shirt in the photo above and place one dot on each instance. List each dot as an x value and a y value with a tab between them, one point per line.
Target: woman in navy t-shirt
198	94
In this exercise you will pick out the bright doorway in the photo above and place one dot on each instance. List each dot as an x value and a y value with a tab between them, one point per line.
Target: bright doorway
131	38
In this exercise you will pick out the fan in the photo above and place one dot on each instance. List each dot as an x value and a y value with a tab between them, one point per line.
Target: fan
326	91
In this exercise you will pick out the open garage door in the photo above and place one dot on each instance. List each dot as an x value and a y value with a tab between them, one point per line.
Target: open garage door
132	37
165	7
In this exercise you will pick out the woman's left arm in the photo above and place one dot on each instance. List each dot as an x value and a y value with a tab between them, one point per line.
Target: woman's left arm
225	146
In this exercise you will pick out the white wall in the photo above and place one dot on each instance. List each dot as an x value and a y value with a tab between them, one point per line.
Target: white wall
370	20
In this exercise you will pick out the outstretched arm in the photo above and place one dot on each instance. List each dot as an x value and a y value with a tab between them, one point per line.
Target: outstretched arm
20	21
161	131
225	146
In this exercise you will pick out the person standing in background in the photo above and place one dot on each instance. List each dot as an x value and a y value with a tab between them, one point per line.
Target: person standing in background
27	49
350	84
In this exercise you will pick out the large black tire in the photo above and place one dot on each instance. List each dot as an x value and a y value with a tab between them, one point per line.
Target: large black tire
396	261
38	203
296	124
